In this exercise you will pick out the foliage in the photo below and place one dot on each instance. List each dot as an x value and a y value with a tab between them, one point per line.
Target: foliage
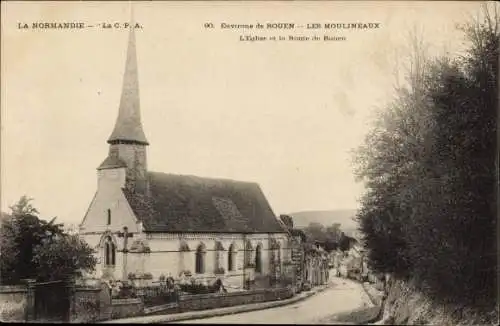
287	220
429	166
62	255
330	237
197	288
37	249
123	290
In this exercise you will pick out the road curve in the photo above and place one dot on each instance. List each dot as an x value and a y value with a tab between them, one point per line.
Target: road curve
342	296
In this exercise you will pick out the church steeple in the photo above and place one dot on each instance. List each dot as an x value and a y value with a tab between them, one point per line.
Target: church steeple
128	143
128	127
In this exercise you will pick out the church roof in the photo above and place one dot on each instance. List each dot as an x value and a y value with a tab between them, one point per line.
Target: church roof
184	203
112	162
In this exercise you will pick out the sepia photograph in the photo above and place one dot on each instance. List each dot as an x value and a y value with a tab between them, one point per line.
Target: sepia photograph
249	162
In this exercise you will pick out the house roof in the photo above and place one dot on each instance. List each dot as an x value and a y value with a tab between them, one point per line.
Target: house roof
184	203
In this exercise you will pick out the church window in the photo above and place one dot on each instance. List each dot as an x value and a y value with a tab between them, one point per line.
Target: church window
109	252
183	250
218	255
248	254
109	217
231	258
200	259
258	258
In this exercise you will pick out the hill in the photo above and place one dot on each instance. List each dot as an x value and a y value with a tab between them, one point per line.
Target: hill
345	217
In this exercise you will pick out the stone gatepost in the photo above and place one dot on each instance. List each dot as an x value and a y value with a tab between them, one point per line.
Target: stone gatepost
30	299
70	286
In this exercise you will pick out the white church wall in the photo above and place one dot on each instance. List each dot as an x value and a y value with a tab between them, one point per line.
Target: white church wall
109	196
165	256
92	239
95	223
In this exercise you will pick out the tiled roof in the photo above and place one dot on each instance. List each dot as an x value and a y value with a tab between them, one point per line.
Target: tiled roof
184	203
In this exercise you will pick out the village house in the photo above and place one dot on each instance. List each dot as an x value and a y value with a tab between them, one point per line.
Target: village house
309	261
316	265
146	224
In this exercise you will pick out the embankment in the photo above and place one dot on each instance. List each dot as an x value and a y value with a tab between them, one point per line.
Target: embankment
405	305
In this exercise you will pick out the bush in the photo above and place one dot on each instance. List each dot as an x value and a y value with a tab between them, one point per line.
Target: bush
196	288
34	248
123	291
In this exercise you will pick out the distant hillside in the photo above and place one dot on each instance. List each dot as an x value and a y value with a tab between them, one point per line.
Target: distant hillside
327	218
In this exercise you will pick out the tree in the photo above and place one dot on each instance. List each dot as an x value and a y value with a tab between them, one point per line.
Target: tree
333	232
315	232
345	242
328	237
35	248
429	164
287	220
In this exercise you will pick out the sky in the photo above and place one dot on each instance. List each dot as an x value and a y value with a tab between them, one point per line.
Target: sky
284	114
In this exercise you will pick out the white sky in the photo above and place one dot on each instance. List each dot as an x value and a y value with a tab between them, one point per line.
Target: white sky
284	115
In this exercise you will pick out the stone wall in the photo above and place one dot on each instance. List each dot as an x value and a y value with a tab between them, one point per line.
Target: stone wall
13	303
124	308
220	300
86	305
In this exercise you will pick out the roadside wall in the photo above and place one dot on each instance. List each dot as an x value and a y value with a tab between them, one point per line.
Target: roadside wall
216	300
13	303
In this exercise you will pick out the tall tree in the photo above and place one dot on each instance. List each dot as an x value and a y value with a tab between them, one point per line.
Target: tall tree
429	165
34	248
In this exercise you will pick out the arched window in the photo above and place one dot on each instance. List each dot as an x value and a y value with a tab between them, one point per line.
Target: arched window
258	258
183	250
248	253
231	258
200	259
109	252
218	255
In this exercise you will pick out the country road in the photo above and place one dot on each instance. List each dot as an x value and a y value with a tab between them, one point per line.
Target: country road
343	295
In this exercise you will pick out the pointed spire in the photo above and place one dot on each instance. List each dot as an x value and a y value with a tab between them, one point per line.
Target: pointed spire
128	125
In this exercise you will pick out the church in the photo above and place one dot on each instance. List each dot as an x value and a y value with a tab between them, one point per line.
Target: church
142	222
